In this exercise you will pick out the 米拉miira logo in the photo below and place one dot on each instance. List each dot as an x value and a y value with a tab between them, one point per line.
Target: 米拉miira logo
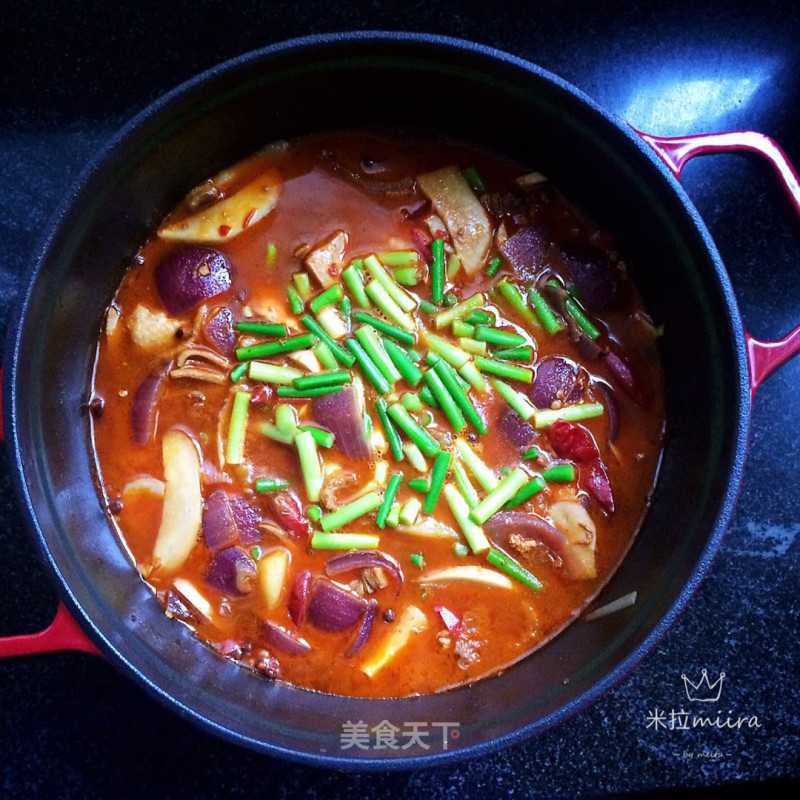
703	691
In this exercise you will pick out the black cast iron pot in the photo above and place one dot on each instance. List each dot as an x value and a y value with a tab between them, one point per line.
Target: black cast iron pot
359	80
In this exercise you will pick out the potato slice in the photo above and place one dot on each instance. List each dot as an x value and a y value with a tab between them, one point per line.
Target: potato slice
488	577
430	528
183	502
464	216
272	570
411	621
228	217
573	520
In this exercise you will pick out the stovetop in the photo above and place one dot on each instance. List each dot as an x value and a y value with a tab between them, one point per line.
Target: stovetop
70	725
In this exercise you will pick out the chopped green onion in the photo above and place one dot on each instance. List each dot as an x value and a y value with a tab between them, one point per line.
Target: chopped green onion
344	541
272	253
339	353
463	309
274	348
325	355
450	300
439	472
518	401
549	320
411	428
531	452
367	366
419	485
347	308
355	283
484	475
461	329
378	294
584	323
320	391
404	337
453	266
262	328
322	438
373	347
411	401
465	485
392	436
445	400
393	517
415	457
286	420
437	271
271	485
503	369
238	371
499	496
559	473
483	333
494	266
412	354
427	307
335	378
460	549
302	284
272	373
473	533
541	419
333	294
309	464
410	511
388	499
512	295
460	397
407	276
426	419
532	487
447	351
473	346
417	560
474	178
470	373
314	514
256	552
400	296
295	301
479	317
352	511
508	565
237	427
401	360
515	354
272	431
427	396
398	258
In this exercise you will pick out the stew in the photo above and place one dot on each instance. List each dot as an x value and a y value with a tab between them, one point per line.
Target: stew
376	415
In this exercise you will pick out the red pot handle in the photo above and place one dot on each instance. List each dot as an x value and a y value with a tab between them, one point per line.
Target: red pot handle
63	633
763	357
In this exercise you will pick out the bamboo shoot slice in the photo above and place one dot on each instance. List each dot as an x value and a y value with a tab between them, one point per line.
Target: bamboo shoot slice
229	217
272	570
488	577
411	621
462	213
183	501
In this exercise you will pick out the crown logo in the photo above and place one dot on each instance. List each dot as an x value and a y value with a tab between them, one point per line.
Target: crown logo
704	691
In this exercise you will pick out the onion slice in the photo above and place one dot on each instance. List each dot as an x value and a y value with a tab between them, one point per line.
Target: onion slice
281	639
144	407
359	559
341	414
298	599
332	608
364	629
473	574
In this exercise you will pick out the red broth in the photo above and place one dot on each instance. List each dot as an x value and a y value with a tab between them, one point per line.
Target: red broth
460	629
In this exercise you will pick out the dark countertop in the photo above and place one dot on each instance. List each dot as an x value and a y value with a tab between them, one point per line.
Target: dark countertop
71	726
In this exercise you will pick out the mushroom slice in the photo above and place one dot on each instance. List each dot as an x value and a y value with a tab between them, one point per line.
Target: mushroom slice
573	520
228	217
326	258
411	621
183	501
466	220
474	574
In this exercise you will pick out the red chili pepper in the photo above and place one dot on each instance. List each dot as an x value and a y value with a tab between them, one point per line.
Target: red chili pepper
451	620
573	442
288	512
262	395
224	230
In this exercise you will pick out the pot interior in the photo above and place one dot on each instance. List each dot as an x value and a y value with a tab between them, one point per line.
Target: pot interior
399	82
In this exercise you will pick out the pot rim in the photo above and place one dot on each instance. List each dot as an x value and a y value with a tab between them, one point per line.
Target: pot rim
738	430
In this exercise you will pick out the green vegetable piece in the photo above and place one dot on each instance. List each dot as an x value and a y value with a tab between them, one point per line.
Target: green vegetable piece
419	485
559	473
549	320
388	499
580	411
234	452
343	541
355	283
438	474
392	436
514	570
271	485
372	373
412	429
339	353
352	511
261	328
437	271
402	336
504	370
531	488
499	496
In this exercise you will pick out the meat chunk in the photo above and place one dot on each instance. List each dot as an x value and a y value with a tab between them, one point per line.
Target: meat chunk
325	260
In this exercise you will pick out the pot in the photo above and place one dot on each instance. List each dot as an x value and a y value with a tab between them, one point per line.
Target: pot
625	179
